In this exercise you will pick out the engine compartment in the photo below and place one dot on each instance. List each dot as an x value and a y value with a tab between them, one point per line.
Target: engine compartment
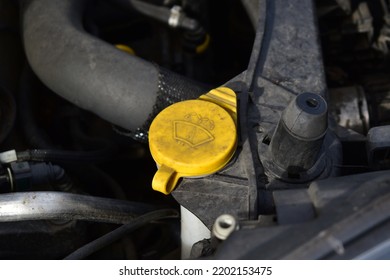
81	82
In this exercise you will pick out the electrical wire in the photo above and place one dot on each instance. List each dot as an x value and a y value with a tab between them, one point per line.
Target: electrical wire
160	13
120	232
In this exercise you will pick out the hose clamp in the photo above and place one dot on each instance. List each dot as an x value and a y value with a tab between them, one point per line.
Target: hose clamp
174	18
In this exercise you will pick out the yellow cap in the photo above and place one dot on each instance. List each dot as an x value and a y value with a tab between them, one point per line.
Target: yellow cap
189	139
224	97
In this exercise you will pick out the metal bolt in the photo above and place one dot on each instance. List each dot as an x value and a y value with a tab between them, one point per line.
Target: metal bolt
224	225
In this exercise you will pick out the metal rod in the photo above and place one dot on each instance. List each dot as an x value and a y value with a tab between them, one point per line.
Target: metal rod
65	206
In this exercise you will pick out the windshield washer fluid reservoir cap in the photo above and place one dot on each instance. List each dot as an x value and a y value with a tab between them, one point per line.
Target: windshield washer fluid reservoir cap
193	138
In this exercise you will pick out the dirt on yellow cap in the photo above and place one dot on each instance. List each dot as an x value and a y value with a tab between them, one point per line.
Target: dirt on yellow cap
193	138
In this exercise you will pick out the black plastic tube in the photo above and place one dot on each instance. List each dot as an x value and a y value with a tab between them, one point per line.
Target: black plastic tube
120	88
50	174
120	232
159	13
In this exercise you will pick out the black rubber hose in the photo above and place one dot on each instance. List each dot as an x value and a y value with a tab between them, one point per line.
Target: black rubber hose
159	13
47	174
123	89
120	232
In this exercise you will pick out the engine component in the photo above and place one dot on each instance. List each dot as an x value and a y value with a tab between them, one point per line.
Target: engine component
348	106
241	188
293	206
298	137
377	88
378	147
21	176
277	158
174	17
350	219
